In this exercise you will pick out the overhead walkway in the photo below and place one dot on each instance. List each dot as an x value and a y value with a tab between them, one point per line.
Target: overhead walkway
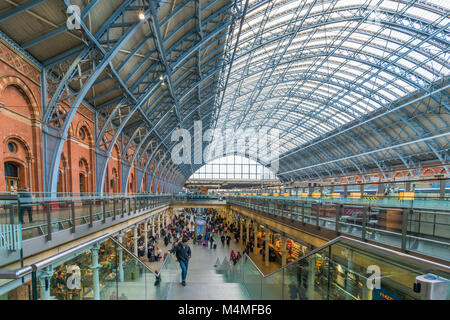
343	269
412	226
61	221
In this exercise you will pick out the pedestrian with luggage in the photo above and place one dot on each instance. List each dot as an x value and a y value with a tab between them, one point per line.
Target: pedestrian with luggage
183	253
211	241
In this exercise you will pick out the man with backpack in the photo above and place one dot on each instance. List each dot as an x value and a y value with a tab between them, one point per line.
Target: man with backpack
228	240
183	253
211	241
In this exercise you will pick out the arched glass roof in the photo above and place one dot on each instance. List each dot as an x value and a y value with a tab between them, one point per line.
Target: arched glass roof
351	85
310	67
233	167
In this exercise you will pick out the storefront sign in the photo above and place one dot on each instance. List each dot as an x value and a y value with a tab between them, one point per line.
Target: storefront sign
382	294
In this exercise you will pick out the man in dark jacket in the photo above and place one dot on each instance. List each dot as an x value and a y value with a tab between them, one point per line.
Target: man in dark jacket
183	253
24	205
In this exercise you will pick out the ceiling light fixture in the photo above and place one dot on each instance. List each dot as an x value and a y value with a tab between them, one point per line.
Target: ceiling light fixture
141	15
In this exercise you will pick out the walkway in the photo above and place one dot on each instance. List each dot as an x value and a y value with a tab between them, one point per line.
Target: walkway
202	280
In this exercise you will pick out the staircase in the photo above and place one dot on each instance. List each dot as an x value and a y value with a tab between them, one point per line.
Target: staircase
206	284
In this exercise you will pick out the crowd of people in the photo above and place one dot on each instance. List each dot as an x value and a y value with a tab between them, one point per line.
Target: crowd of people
181	230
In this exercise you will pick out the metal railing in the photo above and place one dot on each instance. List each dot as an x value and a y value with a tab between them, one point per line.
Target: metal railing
426	231
35	269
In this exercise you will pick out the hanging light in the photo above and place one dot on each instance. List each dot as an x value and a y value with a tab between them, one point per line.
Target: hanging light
161	78
141	15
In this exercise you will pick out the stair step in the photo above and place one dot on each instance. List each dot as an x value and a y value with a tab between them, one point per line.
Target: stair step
193	278
202	291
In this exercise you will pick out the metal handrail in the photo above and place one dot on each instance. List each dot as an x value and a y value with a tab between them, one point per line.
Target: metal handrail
132	254
46	262
15	274
19	273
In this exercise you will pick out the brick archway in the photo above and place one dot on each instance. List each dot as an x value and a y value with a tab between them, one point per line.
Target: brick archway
9	80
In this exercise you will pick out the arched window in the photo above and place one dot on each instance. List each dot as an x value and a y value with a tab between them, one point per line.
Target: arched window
82	134
83	183
12	178
12	147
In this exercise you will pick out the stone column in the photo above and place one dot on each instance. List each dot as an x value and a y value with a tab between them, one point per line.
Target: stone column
159	225
255	237
135	240
165	219
153	226
247	231
266	249
241	231
44	277
121	275
146	238
283	250
95	268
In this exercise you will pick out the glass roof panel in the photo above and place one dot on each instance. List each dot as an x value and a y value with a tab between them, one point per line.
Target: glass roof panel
321	70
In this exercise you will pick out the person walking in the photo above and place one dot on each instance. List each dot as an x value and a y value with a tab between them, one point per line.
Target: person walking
24	205
233	257
211	241
228	240
166	241
222	239
183	253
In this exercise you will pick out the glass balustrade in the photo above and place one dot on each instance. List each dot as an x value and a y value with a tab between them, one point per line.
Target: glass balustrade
425	231
346	269
43	214
101	270
10	231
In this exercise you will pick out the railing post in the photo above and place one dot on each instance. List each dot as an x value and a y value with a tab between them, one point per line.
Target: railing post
135	204
364	224
34	285
49	222
114	208
123	208
129	206
72	207
404	227
104	210
303	212
91	214
338	216
317	205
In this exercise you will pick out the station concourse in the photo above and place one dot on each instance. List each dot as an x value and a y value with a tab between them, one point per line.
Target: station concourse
312	133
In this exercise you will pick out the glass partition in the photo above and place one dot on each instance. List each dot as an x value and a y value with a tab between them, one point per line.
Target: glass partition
348	269
103	271
10	231
44	214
